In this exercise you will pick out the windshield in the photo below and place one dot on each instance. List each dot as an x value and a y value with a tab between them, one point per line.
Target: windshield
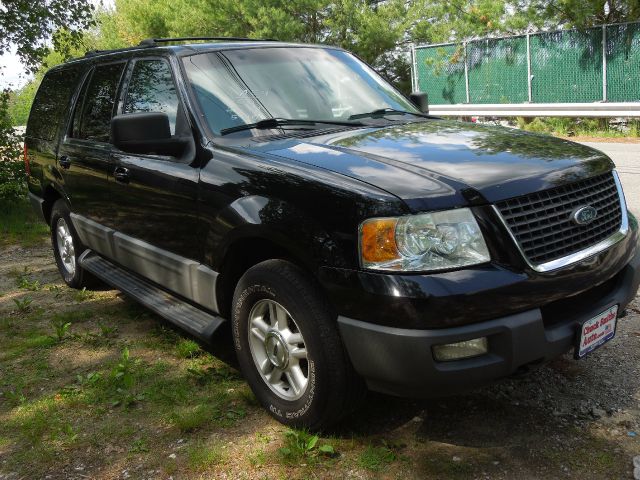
239	87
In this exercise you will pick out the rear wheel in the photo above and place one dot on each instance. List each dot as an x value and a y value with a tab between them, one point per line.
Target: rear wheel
67	248
289	348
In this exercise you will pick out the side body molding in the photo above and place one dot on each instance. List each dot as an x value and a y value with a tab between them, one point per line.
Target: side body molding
183	276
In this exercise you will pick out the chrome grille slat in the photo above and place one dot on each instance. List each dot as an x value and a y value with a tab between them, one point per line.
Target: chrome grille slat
563	206
558	220
541	222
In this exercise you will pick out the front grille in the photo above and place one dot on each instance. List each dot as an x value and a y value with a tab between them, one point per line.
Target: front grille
541	222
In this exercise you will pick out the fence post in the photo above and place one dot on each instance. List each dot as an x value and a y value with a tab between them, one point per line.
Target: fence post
466	71
414	74
604	63
529	78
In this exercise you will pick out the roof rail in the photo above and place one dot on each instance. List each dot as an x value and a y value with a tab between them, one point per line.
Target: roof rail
93	53
152	42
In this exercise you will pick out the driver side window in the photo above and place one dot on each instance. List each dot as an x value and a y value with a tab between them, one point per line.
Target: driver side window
151	89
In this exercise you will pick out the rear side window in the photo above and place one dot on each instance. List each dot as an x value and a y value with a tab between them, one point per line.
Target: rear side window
52	102
151	89
95	105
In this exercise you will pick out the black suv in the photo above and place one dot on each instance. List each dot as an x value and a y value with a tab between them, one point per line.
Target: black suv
348	237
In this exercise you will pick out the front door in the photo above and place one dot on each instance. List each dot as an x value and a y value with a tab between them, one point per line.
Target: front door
154	197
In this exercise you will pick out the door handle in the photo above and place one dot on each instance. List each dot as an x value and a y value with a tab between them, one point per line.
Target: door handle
121	174
64	161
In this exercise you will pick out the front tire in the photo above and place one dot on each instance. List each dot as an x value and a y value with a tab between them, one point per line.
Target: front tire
289	349
67	248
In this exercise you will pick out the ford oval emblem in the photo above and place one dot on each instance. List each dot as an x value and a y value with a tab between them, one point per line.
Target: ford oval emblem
584	215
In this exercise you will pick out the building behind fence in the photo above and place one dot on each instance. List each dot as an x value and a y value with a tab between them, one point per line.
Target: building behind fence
567	66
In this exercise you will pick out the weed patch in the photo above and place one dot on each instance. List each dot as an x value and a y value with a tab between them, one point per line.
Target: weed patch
300	445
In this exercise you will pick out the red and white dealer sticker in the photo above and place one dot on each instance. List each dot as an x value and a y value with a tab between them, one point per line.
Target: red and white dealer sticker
596	331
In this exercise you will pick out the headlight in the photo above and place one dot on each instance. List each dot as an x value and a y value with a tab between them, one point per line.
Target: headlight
428	241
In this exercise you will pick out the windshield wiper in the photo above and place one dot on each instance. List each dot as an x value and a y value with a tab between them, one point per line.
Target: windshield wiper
280	122
381	112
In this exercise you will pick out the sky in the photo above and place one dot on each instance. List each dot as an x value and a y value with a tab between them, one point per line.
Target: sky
12	74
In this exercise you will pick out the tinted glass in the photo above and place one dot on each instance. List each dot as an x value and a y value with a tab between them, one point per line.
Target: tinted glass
98	104
51	102
151	89
77	113
237	87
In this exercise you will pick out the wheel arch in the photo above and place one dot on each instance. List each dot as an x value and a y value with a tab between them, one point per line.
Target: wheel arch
51	195
262	229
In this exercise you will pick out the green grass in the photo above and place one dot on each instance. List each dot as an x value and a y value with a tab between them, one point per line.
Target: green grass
20	224
376	457
188	349
201	456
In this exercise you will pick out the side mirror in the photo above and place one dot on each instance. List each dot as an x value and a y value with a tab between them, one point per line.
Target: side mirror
420	100
145	133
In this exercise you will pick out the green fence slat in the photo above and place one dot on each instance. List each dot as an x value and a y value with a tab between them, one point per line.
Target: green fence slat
441	74
498	70
623	63
566	67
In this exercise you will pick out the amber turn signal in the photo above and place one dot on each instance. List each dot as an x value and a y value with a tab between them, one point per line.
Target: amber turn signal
378	240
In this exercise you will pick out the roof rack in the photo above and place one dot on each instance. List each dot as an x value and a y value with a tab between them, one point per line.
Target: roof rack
93	53
152	42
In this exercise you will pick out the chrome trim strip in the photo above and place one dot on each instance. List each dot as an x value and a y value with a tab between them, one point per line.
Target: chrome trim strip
582	254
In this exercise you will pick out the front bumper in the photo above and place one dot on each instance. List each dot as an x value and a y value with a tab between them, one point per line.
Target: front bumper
400	361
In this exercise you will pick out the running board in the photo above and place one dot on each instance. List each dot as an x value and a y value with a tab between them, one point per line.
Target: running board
192	319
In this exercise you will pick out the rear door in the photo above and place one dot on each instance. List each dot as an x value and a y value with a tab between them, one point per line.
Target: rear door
155	196
49	115
84	158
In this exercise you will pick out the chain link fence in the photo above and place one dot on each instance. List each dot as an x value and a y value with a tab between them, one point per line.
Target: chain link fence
567	66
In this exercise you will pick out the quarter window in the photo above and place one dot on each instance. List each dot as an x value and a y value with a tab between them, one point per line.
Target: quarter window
151	89
97	108
51	102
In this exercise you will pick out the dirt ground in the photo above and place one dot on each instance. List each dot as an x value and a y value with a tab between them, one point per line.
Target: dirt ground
74	405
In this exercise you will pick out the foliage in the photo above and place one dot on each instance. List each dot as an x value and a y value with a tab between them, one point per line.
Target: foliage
570	127
24	304
29	26
12	175
60	327
24	282
300	445
123	378
82	295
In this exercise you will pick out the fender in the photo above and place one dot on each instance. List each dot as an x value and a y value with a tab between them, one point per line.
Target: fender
282	224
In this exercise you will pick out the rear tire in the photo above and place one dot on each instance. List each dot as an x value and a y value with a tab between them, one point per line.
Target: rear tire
67	248
289	348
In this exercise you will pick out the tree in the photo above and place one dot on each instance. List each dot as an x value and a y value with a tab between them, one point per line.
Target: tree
29	25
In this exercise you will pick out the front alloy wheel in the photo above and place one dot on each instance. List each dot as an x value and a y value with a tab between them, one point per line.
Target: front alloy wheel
289	349
278	349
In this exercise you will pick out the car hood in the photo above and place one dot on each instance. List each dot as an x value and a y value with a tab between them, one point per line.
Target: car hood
440	163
